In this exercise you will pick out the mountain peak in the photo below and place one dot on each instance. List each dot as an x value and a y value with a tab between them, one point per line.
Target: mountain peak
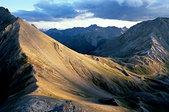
124	28
5	17
93	26
162	18
3	11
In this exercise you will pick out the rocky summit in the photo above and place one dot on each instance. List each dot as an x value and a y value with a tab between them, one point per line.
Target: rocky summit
39	74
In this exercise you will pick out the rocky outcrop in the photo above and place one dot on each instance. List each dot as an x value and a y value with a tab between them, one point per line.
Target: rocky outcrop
16	74
5	18
46	104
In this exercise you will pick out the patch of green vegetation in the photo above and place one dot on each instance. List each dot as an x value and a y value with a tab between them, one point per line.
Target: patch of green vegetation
104	70
151	76
54	96
125	60
24	60
39	75
167	51
165	68
126	103
141	70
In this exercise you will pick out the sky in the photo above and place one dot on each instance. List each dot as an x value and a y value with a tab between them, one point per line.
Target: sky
63	14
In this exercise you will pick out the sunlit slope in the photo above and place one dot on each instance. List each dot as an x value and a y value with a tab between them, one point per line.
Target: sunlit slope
63	73
62	69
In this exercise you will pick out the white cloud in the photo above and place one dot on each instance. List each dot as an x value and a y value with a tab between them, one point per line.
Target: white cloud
78	22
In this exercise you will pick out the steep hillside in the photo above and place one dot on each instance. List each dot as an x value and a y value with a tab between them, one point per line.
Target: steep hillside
32	63
146	44
36	72
139	39
12	60
84	40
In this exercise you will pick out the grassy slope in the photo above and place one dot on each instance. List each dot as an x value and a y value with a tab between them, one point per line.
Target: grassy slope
63	73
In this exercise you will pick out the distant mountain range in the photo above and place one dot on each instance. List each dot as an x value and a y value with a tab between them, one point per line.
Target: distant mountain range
145	44
86	39
39	74
143	38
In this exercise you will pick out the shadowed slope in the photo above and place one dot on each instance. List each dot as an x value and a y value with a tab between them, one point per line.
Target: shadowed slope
145	45
16	74
140	39
86	39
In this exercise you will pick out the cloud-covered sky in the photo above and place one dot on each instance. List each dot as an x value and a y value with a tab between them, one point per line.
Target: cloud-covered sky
62	10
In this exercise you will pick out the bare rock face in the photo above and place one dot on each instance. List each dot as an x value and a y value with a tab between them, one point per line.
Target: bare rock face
16	74
5	18
46	104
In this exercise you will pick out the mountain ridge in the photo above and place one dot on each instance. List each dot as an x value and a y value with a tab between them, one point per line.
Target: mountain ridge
85	39
145	44
144	29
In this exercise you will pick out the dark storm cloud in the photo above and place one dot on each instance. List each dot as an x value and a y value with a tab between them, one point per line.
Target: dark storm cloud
113	10
131	10
45	11
33	15
127	10
58	10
